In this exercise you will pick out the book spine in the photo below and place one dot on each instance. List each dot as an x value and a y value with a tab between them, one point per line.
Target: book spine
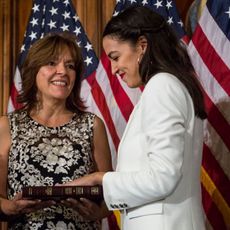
46	192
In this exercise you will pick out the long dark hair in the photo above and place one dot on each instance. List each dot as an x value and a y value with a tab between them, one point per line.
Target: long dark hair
165	51
40	54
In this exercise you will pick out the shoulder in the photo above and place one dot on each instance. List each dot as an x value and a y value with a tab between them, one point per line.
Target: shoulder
163	80
98	122
166	92
163	84
4	125
4	133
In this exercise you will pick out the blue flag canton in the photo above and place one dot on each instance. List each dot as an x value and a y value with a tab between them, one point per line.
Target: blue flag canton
165	8
57	16
220	11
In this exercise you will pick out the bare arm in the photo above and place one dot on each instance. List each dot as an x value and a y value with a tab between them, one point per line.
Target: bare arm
101	151
4	150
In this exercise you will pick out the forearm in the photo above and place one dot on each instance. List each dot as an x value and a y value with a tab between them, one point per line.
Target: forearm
3	216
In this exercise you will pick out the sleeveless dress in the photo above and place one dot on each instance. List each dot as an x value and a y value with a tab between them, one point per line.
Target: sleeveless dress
40	156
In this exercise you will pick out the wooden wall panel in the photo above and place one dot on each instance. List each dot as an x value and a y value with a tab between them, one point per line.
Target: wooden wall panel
6	56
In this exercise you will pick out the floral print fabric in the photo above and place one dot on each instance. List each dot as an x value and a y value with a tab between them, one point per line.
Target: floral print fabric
40	156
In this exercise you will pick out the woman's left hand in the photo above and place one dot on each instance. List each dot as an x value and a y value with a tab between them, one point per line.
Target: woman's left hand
87	209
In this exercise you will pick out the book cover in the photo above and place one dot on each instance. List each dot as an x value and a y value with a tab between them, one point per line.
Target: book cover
93	193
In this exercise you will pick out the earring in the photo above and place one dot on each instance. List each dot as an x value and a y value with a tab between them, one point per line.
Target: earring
138	61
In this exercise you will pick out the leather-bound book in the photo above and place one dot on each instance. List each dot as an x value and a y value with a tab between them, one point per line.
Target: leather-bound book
57	193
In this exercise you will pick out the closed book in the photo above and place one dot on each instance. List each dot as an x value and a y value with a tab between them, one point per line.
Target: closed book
93	193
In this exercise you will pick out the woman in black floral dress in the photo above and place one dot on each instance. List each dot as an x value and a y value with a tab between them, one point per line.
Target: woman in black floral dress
50	140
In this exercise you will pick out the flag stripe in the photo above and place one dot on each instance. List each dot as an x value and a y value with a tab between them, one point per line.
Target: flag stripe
216	196
208	82
212	60
216	173
118	92
220	42
217	121
214	216
103	81
100	100
217	147
86	88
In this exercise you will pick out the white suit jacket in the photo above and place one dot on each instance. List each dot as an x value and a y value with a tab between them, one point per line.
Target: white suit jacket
157	180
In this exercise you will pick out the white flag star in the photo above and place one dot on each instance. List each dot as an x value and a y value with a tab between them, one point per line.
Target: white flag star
66	2
180	23
23	48
170	20
36	8
158	4
88	46
66	15
116	13
65	27
53	10
51	24
33	35
169	4
133	1
144	2
77	31
34	22
228	12
88	60
76	18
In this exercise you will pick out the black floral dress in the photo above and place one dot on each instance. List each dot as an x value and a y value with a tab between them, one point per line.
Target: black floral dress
42	155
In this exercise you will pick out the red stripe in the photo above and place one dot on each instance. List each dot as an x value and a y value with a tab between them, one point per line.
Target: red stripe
213	214
124	103
100	100
112	221
217	120
211	59
13	96
216	173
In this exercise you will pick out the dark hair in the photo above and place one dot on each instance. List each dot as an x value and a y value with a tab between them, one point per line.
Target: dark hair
40	54
165	51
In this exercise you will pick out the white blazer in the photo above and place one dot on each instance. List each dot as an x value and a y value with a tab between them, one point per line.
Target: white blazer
157	180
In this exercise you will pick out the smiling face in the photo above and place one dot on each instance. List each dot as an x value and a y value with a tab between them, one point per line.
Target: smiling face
124	60
55	80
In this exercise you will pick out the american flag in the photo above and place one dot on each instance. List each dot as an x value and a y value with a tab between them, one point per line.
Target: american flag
209	51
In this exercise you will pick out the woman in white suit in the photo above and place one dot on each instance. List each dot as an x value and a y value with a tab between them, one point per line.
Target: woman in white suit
156	184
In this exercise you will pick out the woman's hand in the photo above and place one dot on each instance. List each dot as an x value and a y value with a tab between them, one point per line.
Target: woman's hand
87	209
18	206
90	179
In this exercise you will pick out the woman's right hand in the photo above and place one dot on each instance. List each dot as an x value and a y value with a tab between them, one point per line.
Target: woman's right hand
18	206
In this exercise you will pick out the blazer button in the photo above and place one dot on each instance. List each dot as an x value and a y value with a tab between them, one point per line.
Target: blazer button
116	206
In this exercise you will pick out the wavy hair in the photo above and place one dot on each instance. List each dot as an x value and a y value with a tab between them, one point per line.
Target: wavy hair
40	54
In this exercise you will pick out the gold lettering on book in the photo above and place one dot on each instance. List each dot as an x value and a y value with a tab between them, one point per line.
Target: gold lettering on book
49	191
79	190
94	190
68	191
30	191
